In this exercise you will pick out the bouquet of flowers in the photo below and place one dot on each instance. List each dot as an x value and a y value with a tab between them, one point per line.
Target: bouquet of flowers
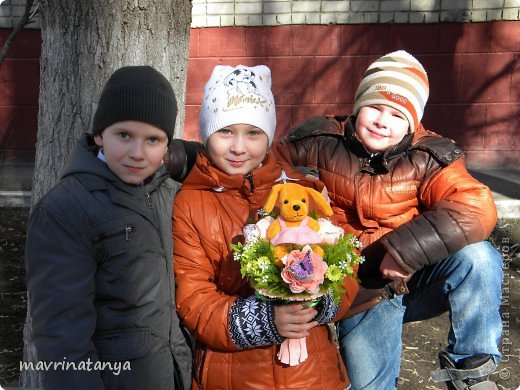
295	257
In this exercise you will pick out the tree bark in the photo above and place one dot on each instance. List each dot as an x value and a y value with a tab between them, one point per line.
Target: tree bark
83	42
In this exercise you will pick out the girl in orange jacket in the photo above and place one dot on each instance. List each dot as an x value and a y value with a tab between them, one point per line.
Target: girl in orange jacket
236	332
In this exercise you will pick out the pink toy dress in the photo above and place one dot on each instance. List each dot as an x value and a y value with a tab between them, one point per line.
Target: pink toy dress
300	235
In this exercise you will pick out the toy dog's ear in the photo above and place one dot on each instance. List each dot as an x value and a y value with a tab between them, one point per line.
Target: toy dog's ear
271	198
320	202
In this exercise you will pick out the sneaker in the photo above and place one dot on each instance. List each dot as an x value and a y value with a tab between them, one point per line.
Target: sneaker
470	374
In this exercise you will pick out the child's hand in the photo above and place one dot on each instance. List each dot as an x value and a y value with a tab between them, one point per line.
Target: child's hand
294	320
391	270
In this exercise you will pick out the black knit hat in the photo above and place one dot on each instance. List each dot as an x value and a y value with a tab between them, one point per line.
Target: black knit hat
137	93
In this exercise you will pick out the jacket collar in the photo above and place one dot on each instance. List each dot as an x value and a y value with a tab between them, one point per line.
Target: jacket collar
205	176
96	176
375	163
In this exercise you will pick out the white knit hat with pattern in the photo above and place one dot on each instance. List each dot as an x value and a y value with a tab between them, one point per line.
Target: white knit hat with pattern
398	80
239	94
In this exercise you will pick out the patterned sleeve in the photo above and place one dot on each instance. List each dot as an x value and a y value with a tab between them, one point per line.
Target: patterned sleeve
327	309
251	323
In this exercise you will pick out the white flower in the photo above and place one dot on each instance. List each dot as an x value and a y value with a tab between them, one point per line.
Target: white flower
263	263
250	233
329	233
355	242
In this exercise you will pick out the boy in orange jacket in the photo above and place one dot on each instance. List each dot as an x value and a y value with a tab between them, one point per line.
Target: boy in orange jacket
422	218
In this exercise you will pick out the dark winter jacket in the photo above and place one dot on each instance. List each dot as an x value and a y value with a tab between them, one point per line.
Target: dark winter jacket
415	201
100	281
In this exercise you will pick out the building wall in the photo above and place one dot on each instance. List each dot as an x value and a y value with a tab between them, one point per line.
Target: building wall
318	51
474	72
19	88
225	13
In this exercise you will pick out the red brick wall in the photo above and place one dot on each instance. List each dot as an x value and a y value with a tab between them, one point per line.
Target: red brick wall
19	88
474	71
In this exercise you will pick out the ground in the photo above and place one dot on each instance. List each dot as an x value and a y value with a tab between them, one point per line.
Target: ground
13	297
422	341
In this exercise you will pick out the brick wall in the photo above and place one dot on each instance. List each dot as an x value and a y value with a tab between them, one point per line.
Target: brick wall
225	13
12	10
318	51
474	71
19	88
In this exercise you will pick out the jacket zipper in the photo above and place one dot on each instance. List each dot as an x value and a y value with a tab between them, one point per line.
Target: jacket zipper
147	196
366	161
115	232
199	369
128	229
148	199
249	178
334	342
370	197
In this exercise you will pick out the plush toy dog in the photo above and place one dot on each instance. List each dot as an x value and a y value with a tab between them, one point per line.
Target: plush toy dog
294	226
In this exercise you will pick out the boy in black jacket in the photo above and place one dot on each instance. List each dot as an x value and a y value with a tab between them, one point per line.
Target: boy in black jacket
99	250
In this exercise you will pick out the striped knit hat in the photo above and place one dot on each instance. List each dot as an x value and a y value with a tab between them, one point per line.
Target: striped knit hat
397	80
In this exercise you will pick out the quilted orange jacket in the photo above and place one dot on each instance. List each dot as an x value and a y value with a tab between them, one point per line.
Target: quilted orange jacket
209	214
416	200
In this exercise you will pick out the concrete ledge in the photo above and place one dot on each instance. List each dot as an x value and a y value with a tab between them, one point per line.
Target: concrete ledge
508	208
15	198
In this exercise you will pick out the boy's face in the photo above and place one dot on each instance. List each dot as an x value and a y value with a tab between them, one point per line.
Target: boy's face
133	150
237	149
380	126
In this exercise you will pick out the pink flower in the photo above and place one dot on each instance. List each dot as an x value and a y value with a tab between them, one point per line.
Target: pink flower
304	270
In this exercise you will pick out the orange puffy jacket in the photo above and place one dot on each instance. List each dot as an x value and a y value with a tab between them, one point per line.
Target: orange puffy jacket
416	200
209	214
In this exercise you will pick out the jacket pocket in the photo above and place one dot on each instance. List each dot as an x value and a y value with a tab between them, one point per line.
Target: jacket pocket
116	237
124	344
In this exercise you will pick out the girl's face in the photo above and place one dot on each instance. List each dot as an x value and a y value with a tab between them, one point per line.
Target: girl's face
380	127
237	149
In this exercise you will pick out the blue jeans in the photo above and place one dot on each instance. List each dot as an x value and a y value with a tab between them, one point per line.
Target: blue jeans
468	284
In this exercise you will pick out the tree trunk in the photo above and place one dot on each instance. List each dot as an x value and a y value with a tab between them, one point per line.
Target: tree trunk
83	42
